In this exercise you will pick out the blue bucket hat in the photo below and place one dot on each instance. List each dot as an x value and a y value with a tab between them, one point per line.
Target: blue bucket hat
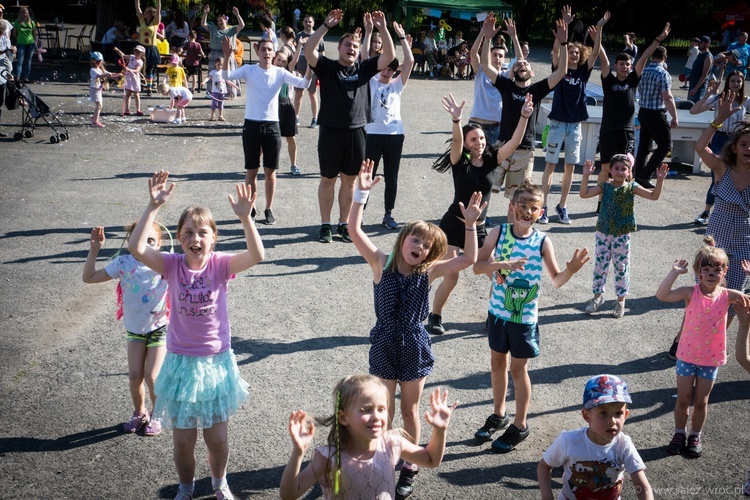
604	389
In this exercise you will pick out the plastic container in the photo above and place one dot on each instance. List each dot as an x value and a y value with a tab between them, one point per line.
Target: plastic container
160	114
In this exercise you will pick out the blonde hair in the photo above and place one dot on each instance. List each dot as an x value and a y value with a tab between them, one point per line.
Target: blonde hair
201	216
155	226
420	229
164	88
584	52
710	255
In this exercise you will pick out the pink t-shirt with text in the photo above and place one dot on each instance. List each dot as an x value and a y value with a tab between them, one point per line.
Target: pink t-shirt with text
199	319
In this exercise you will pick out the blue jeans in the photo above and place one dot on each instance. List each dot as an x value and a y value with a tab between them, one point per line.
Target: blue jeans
24	53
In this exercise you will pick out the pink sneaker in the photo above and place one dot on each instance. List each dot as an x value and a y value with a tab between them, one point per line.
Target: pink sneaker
153	427
136	422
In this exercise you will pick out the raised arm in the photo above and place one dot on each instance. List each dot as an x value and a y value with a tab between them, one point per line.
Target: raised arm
204	17
364	46
470	214
294	483
559	278
408	56
138	11
653	194
474	52
585	192
366	248
561	37
158	12
159	191
512	32
597	40
510	146
488	29
90	273
711	158
311	47
703	105
455	110
242	208
650	49
389	52
439	418
567	18
665	293
604	60
240	22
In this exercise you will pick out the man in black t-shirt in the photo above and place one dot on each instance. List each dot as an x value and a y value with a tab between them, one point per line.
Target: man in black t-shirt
344	106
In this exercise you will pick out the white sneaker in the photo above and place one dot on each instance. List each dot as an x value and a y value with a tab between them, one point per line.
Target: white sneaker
594	304
619	311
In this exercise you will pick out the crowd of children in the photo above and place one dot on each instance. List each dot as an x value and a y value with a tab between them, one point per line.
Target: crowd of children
175	305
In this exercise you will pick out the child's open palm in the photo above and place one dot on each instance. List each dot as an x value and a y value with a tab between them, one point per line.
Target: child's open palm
580	257
365	181
662	172
158	189
680	266
97	238
301	430
472	212
589	167
243	207
440	413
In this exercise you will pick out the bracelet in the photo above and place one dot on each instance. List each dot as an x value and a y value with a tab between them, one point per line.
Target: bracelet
657	41
715	125
563	44
326	25
402	38
457	121
360	196
471	229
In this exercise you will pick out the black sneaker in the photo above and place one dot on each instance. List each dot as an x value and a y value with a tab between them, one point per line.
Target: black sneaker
270	219
673	350
694	448
677	444
701	219
343	231
405	485
325	235
314	123
435	324
491	426
510	439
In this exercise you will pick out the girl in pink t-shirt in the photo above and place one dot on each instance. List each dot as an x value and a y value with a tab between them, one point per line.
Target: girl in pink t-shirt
702	347
359	459
199	385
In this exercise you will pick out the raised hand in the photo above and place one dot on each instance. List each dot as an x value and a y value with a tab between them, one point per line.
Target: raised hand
589	167
301	430
580	257
236	11
680	266
746	266
452	107
713	87
567	14
158	189
593	30
664	33
561	33
357	34
378	19
226	46
206	8
97	238
243	207
472	212
398	29
510	28
408	40
662	172
603	20
334	17
726	105
488	26
367	22
440	413
528	106
365	181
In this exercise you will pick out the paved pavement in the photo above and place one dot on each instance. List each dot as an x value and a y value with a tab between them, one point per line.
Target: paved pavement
301	318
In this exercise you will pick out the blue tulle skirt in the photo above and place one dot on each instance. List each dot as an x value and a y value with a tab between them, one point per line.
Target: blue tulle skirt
198	391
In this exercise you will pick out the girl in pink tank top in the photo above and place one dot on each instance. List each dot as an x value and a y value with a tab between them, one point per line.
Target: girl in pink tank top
359	459
702	347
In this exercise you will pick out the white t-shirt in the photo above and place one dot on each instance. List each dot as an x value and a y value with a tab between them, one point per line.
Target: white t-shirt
218	84
262	89
736	117
180	92
385	107
692	54
110	36
590	466
144	294
488	103
95	74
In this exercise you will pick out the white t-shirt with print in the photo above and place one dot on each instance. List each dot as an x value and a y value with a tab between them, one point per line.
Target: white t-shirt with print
144	294
385	107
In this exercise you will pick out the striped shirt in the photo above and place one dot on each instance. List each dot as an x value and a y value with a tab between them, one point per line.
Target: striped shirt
654	80
735	118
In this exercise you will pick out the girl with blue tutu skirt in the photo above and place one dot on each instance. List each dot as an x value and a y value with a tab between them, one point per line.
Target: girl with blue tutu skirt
401	350
199	385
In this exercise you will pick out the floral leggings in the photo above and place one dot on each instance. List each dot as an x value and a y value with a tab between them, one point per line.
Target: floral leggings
617	250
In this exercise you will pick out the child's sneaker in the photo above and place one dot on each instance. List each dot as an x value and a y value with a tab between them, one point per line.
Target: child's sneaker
294	169
223	493
677	444
136	422
702	218
694	448
510	439
619	311
181	495
153	428
562	214
127	112
435	324
594	304
493	424
406	479
543	219
139	113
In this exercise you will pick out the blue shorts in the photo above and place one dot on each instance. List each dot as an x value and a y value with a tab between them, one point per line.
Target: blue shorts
522	341
563	133
684	369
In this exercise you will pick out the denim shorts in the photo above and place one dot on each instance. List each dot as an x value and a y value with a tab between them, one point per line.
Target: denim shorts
685	369
564	133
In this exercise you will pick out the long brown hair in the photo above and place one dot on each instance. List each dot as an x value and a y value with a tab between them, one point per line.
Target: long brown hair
420	229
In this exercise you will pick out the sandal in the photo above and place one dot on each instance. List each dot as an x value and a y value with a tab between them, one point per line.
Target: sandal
510	439
406	479
491	426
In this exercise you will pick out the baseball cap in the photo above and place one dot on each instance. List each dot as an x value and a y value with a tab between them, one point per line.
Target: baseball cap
603	389
139	48
97	56
705	39
174	59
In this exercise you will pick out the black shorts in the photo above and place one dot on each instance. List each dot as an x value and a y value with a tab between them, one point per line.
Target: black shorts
192	70
260	137
341	150
455	230
522	341
287	118
616	142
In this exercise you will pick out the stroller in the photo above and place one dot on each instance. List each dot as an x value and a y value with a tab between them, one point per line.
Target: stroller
32	109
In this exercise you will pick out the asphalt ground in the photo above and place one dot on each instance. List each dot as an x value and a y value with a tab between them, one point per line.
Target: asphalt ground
301	318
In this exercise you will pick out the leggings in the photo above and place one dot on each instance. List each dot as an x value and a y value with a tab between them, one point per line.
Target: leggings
217	101
615	249
390	148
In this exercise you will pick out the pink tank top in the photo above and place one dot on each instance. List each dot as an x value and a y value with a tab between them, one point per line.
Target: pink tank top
704	336
373	478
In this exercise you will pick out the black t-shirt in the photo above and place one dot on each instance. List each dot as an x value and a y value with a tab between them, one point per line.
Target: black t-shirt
513	99
344	101
467	179
569	102
619	102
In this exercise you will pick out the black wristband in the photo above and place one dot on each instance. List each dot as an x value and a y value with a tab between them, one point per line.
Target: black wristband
402	38
563	43
326	25
457	121
657	41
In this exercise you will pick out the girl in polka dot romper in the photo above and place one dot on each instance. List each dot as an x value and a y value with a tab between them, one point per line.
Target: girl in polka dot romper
401	350
702	347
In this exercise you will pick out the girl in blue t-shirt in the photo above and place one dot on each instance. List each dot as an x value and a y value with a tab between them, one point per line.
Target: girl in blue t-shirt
616	222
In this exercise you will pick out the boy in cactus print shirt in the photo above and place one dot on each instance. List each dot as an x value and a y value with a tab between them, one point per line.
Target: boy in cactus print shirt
513	256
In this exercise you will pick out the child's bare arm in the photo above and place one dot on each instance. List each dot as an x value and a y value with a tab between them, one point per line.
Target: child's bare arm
653	194
90	273
439	418
585	191
293	482
470	215
159	192
558	277
742	347
642	486
665	292
242	208
544	478
366	248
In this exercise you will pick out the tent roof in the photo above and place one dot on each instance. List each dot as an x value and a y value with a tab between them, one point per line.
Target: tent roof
738	12
465	5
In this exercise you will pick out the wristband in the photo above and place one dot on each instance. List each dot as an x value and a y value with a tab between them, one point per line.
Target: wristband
360	196
471	229
402	38
326	25
657	41
563	44
715	125
457	121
